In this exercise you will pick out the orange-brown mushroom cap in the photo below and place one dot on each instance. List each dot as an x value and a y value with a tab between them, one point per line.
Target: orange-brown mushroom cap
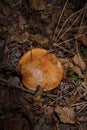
40	68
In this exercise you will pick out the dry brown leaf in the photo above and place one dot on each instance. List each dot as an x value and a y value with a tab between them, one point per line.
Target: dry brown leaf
48	30
39	38
66	63
78	60
22	22
84	84
85	77
69	65
83	39
66	114
20	38
77	70
38	5
38	94
48	111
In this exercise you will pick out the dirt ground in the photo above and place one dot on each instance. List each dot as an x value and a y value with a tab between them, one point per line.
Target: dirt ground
59	26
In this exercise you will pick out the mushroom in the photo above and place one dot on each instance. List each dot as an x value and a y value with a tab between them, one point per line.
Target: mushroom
38	67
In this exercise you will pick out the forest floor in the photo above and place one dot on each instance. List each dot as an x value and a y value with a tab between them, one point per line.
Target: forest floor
60	27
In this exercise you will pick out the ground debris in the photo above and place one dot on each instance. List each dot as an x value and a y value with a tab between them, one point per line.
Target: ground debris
43	24
38	5
83	39
78	60
39	38
20	38
66	114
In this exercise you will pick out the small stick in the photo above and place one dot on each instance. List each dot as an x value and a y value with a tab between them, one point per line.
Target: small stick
81	109
71	25
59	19
16	86
65	24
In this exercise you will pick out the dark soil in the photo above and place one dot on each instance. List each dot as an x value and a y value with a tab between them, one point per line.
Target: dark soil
20	23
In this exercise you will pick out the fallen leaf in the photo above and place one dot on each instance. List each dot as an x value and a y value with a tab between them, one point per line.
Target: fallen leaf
83	119
83	39
10	2
66	114
22	22
77	70
38	94
20	38
39	38
78	60
69	65
84	84
66	62
16	123
7	11
48	111
38	5
48	30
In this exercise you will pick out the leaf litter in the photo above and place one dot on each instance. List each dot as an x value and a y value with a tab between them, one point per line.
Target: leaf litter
29	24
66	114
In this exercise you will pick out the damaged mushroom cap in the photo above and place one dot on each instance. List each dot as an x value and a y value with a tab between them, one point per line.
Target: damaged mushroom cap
40	68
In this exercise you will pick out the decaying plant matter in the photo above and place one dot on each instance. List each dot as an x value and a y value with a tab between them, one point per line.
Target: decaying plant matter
46	41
